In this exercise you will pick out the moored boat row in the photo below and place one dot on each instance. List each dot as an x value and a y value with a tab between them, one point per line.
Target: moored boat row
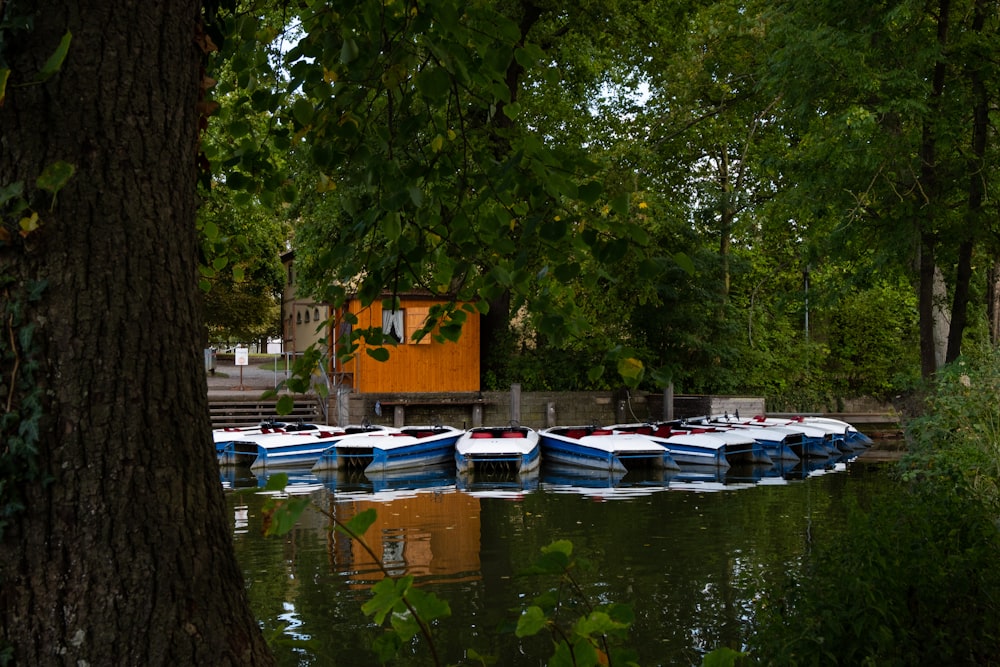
707	442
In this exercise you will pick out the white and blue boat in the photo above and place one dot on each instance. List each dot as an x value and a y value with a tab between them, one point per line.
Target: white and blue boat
778	444
815	443
505	449
300	447
603	449
390	449
853	438
237	446
702	445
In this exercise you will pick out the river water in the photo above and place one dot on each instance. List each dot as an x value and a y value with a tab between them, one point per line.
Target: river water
686	551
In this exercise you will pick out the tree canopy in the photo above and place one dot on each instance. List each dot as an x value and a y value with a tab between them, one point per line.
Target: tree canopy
685	193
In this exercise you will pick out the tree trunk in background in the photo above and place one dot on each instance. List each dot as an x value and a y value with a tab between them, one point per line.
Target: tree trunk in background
930	340
993	302
125	556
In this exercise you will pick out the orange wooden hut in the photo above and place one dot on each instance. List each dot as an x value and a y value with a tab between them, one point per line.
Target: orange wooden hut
427	365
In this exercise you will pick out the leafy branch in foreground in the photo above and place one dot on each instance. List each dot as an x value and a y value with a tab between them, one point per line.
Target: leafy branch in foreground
593	638
410	610
583	634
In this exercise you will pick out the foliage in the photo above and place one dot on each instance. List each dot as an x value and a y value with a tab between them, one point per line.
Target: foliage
583	634
21	356
899	588
918	564
241	272
957	441
591	634
408	610
21	395
644	185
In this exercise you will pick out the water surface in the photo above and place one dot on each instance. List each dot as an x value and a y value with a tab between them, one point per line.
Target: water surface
685	551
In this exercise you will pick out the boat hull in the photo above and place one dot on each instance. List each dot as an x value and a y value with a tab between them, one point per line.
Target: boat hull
498	450
602	449
234	453
385	452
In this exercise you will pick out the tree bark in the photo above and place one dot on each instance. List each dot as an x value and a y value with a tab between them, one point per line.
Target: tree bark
993	302
977	188
929	185
123	555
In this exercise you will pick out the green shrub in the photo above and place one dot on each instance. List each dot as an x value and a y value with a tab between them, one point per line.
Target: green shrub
914	580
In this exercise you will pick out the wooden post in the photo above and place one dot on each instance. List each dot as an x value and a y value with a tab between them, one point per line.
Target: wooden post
668	402
398	416
477	415
515	403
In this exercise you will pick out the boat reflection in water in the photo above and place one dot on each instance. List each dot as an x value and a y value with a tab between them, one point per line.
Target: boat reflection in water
552	477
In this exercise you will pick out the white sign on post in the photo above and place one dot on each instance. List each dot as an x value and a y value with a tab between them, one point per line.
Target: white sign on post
242	359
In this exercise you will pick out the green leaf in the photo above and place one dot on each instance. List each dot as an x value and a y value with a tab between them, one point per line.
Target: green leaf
392	226
721	657
684	262
359	523
451	331
564	547
285	405
349	51
554	230
239	128
210	231
302	111
55	176
531	622
631	370
55	61
8	192
597	623
378	353
285	515
590	192
512	110
429	607
567	272
276	482
4	76
405	625
434	83
386	594
620	204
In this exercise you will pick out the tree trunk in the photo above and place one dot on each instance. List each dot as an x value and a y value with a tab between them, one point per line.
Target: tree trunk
925	307
977	190
993	302
727	214
123	554
929	187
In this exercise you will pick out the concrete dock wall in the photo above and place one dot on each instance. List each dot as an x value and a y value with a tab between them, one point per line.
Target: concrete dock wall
535	409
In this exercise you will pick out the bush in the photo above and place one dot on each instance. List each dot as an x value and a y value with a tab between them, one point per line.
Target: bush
914	581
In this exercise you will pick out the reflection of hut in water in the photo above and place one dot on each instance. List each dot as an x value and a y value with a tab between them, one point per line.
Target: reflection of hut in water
431	536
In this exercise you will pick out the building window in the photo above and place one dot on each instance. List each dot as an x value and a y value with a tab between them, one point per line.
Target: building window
392	325
298	317
307	316
316	314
